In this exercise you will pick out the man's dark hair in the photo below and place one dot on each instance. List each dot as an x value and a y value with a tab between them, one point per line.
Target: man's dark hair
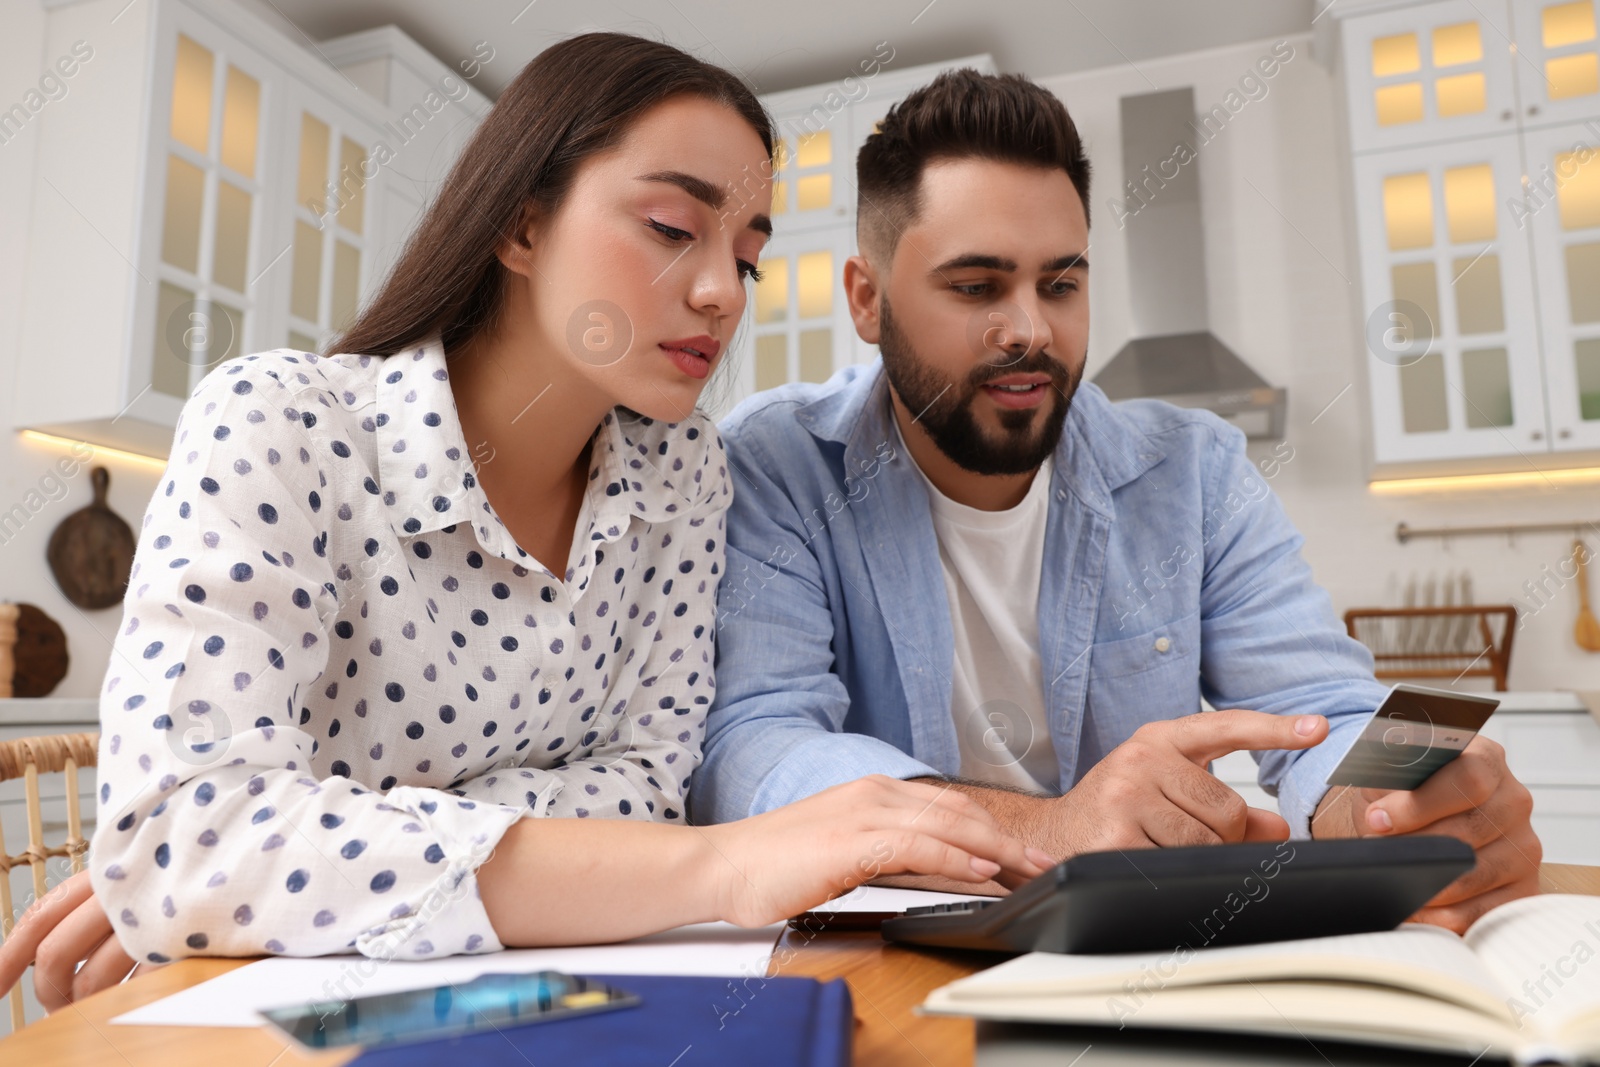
960	114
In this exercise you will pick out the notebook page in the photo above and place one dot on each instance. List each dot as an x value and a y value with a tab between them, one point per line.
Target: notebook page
1546	952
1427	959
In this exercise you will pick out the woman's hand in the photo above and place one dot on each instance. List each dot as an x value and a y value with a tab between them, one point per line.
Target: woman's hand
779	864
57	932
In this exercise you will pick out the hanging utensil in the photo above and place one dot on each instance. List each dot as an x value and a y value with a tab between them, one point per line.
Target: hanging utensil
1587	629
91	552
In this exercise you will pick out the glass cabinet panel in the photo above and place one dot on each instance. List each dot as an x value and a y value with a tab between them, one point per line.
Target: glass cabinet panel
180	230
191	96
1460	94
1469	203
313	163
330	220
816	284
1423	401
816	355
1564	24
169	372
772	291
241	122
230	256
1457	44
1583	281
1479	307
306	296
346	284
1578	187
1587	357
1395	54
1486	387
352	184
772	360
1408	209
1416	283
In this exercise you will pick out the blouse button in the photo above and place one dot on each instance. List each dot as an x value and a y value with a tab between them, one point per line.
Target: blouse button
1162	644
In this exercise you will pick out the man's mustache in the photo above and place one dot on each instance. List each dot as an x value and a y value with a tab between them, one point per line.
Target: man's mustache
1038	363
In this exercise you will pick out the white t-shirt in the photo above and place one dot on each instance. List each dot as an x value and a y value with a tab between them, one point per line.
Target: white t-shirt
992	563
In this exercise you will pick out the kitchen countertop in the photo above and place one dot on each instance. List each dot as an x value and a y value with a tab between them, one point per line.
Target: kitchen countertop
49	711
59	711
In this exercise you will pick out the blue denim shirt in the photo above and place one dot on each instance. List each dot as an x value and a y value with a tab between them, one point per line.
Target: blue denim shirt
1171	572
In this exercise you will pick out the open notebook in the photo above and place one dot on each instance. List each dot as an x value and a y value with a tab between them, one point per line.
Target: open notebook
1523	982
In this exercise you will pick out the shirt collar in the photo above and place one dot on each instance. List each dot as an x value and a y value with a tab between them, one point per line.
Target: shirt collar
638	467
425	470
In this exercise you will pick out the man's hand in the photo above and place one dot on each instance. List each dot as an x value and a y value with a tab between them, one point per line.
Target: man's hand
1154	789
1473	797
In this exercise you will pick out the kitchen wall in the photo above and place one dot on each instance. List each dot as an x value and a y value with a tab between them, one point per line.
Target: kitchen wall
24	576
1282	293
1285	294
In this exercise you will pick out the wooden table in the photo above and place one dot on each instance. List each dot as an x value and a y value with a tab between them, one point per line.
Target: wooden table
887	982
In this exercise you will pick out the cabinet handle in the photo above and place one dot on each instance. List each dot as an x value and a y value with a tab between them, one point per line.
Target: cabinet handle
1533	109
1564	433
1506	115
1537	435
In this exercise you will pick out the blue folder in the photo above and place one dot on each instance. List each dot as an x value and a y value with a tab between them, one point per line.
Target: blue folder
685	1022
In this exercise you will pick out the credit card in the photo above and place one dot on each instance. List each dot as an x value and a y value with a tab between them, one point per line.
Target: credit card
1414	732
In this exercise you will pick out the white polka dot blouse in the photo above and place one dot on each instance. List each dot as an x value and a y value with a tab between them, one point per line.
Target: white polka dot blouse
338	680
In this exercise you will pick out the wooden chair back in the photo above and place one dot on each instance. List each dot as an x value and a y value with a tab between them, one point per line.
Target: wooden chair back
27	758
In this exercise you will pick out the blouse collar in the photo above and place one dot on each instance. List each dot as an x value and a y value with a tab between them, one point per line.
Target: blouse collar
638	467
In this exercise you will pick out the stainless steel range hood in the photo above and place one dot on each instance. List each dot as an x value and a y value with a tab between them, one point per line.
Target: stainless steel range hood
1173	355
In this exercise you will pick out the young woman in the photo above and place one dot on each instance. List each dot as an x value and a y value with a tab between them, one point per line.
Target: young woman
417	650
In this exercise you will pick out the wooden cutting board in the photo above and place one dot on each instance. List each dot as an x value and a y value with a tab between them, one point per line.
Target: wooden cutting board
91	552
33	652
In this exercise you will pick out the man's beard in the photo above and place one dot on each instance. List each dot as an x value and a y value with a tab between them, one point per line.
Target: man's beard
944	408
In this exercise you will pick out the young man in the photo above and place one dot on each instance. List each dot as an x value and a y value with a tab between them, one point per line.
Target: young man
962	563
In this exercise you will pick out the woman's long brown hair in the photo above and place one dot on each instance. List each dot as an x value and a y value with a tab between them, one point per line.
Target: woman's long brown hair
575	98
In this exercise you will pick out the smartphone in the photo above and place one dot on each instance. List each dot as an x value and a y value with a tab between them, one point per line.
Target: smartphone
487	1002
1414	732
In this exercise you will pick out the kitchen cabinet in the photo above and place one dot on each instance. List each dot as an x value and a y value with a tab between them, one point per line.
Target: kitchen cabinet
1456	370
1562	216
1557	61
1475	135
799	326
211	188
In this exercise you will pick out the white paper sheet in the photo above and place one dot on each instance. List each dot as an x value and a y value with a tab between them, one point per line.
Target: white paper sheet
232	999
883	898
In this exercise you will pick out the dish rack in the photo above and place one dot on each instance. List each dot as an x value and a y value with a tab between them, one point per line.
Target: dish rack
1471	641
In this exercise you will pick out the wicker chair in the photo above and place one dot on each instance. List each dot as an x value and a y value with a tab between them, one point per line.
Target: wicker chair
27	758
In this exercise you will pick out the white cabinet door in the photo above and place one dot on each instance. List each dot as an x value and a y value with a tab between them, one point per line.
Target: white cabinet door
1557	61
813	175
208	169
798	327
1449	302
1563	216
330	179
1428	72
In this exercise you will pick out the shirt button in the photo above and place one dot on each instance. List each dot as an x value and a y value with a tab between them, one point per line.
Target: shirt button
1162	644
